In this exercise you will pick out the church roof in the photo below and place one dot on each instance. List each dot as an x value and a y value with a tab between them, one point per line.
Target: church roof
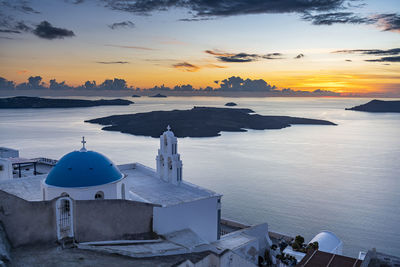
83	169
144	185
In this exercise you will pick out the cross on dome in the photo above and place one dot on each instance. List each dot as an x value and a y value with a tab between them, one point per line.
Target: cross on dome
83	144
168	128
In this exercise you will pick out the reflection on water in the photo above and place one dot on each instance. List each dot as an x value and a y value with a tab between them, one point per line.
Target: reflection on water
300	180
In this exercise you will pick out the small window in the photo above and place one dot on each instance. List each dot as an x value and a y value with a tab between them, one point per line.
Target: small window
64	194
169	164
99	195
1	167
65	206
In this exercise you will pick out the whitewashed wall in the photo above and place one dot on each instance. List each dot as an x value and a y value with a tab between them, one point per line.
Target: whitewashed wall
200	216
111	191
6	171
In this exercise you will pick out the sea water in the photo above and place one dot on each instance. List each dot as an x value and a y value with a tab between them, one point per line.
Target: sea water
301	179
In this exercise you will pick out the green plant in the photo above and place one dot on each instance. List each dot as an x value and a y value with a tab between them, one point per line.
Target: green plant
299	239
296	246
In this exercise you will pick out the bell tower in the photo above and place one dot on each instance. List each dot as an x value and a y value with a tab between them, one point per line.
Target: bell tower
169	163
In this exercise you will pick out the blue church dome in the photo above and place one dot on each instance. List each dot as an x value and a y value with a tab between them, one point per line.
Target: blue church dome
82	169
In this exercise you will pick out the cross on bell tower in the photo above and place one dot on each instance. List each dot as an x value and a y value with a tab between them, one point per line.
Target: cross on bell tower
83	149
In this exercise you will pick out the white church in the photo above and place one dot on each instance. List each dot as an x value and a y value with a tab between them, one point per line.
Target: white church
86	199
88	175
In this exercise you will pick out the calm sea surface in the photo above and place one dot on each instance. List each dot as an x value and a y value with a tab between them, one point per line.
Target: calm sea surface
301	180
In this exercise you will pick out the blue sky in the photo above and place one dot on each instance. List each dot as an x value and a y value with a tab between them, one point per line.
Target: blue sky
152	52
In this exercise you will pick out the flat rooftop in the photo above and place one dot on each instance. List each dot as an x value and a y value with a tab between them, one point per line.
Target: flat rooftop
141	183
27	188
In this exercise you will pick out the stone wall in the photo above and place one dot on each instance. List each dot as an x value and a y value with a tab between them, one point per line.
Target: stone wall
27	222
34	222
98	220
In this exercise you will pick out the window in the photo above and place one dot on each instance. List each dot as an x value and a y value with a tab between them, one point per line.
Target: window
65	207
64	194
169	164
99	195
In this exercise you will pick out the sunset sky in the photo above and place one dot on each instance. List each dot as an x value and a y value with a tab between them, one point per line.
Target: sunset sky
337	45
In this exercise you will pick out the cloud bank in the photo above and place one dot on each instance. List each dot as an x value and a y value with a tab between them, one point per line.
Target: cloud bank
201	8
123	24
389	55
229	85
47	31
241	57
36	83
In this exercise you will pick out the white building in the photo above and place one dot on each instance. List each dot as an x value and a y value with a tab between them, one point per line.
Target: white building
328	242
88	175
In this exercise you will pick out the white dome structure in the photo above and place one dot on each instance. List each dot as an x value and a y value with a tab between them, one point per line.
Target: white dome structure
84	175
328	242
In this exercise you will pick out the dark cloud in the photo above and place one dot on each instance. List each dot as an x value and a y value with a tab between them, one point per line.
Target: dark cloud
184	88
6	85
34	82
196	19
123	24
20	25
318	92
132	47
238	84
46	31
116	84
299	56
18	5
376	52
337	17
54	85
206	8
272	56
9	31
112	62
185	66
388	22
215	66
385	59
160	88
241	57
9	25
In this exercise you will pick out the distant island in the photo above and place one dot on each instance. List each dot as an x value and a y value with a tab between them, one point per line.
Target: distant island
39	102
158	95
230	104
136	96
378	106
198	122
